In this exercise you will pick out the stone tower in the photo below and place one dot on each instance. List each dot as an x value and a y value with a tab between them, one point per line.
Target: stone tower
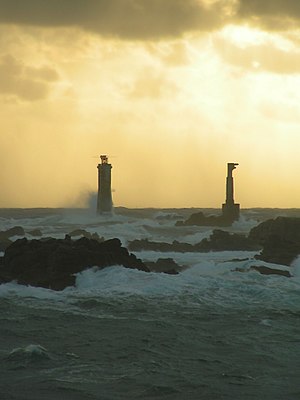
104	200
230	210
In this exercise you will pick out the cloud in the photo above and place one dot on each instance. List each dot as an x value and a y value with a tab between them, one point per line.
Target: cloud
133	19
270	7
152	84
150	19
272	14
24	82
263	57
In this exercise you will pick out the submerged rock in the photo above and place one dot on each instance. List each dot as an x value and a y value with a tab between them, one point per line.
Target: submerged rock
53	263
262	269
270	271
29	354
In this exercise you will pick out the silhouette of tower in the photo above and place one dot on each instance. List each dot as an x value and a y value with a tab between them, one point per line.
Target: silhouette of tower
104	201
230	210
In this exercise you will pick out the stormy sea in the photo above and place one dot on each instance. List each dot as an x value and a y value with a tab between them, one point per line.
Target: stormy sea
209	332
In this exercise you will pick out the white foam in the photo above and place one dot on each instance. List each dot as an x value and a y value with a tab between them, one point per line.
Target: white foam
14	290
210	275
296	268
193	258
243	225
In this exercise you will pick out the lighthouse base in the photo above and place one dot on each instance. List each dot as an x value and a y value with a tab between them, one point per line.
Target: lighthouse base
231	212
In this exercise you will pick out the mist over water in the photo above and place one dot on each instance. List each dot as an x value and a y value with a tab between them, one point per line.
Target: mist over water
207	333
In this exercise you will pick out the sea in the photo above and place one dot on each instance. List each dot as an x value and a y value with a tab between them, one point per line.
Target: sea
209	332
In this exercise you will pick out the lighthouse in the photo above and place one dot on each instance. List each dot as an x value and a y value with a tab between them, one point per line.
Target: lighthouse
230	210
104	200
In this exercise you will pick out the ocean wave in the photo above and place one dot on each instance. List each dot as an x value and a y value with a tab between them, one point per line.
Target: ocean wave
215	283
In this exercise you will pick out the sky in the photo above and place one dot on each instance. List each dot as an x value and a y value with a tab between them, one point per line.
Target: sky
170	90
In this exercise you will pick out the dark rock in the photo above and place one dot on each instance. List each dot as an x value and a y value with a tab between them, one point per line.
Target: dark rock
218	241
4	243
15	231
270	271
80	232
225	241
165	265
52	263
266	270
280	239
5	236
35	232
86	234
145	244
201	220
287	228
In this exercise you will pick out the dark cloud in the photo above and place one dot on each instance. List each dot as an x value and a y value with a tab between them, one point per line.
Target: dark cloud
24	82
270	7
136	19
273	14
149	19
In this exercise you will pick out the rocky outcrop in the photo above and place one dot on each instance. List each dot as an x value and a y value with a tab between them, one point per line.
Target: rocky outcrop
270	271
145	244
35	233
262	269
219	240
86	234
202	220
5	236
280	239
285	228
165	265
52	263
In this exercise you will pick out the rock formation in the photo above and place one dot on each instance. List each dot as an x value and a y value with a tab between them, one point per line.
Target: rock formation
165	265
52	263
5	236
219	240
202	220
262	269
279	238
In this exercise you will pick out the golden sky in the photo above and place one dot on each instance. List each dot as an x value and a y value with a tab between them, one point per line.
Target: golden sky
171	90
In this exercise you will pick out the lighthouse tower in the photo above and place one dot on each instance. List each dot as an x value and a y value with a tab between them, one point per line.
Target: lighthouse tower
230	210
104	201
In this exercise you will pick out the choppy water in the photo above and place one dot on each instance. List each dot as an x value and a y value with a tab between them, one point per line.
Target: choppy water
207	333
